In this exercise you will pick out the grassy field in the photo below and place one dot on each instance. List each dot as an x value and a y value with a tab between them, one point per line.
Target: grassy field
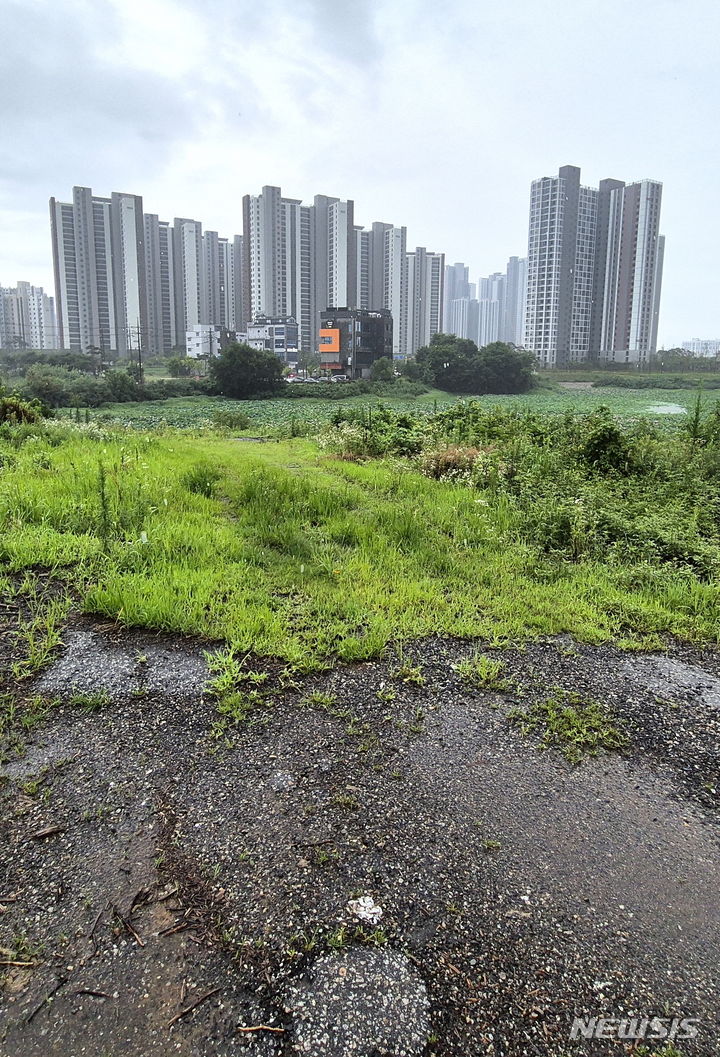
283	549
279	415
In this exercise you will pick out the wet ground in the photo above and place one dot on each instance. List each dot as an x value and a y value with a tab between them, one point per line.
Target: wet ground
374	860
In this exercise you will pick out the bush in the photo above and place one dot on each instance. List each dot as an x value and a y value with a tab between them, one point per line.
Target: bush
226	419
458	366
605	447
450	462
241	372
374	431
13	411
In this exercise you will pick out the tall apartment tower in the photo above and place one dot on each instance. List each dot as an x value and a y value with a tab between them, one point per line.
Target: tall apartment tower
188	266
27	318
334	256
278	275
491	308
513	329
395	287
457	287
160	281
594	270
561	260
362	267
425	279
127	242
628	273
82	261
99	263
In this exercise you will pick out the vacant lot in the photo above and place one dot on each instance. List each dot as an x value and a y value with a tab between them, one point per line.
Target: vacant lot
459	667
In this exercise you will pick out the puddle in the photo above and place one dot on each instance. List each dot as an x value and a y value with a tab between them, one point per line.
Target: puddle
667	409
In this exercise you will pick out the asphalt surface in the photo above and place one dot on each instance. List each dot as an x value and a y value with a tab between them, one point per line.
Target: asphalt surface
387	868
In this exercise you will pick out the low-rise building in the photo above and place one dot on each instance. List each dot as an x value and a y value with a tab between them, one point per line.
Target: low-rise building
205	340
278	334
352	339
702	346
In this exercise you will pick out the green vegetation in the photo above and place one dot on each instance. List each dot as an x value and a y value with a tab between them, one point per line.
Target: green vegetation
456	364
241	371
578	729
307	408
483	673
93	701
560	523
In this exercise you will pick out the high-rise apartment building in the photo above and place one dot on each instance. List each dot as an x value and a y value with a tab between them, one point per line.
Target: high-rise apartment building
395	283
278	277
491	309
628	271
27	318
594	269
513	329
160	280
127	268
457	287
126	280
82	258
425	279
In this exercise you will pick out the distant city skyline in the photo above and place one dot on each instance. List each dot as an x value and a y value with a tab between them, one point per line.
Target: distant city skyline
194	103
589	287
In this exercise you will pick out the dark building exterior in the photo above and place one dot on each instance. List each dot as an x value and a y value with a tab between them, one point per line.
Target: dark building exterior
352	339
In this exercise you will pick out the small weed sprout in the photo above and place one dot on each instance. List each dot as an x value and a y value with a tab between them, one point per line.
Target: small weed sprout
406	672
482	673
576	729
91	701
491	845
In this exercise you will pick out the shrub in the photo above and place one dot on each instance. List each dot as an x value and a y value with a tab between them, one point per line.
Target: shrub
605	447
227	419
454	461
13	411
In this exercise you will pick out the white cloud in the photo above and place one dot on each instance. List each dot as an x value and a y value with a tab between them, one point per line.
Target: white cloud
432	116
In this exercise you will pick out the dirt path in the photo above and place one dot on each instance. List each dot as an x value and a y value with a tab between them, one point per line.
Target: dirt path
170	885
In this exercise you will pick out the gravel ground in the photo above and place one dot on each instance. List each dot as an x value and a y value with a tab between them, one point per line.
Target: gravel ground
387	867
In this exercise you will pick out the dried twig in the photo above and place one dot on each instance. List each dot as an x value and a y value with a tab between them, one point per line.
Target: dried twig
264	1027
193	1005
95	994
49	831
6	962
58	984
178	926
128	927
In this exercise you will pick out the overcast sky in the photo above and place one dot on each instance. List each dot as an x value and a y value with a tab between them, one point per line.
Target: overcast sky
433	116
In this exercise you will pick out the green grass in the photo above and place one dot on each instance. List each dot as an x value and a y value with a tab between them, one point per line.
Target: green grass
279	549
277	416
578	729
482	673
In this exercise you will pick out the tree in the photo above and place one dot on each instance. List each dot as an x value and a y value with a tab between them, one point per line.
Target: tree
51	385
412	370
457	365
504	368
383	370
448	363
308	362
241	371
179	367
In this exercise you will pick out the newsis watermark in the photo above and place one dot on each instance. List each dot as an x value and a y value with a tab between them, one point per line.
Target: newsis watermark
641	1029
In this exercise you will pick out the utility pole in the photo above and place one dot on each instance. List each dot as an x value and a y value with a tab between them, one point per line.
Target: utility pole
139	349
